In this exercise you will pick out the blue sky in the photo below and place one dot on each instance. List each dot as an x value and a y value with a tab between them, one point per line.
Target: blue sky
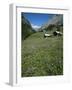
37	19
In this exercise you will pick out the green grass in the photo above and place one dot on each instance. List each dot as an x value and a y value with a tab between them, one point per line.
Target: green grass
42	57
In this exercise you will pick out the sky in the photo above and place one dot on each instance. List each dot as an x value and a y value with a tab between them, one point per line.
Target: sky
37	19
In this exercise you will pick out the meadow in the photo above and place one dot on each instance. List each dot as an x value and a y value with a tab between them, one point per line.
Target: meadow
42	56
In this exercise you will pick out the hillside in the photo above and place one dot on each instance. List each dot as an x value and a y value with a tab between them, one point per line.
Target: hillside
42	57
27	29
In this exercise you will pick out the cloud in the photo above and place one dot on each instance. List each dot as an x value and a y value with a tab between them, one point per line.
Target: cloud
35	26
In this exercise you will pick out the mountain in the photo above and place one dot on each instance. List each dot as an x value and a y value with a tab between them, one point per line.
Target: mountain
36	27
27	29
55	23
56	20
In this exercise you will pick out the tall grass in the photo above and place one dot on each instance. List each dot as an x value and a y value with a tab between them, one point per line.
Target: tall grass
42	57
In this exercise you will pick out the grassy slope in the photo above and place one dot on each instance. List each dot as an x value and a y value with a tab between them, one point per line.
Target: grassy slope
42	57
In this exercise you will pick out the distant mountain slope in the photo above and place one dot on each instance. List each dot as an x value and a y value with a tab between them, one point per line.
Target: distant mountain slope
55	20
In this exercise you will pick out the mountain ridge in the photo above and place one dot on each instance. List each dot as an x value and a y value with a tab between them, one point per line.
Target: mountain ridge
56	20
